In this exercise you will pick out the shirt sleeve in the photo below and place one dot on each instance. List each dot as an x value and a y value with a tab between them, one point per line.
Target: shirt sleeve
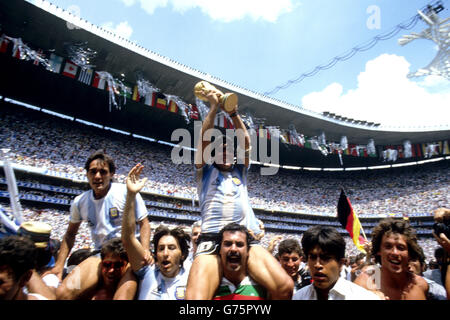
141	209
75	215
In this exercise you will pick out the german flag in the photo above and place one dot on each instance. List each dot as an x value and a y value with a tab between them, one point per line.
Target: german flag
349	221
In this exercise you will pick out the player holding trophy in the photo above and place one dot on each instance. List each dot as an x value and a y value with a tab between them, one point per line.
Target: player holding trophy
223	198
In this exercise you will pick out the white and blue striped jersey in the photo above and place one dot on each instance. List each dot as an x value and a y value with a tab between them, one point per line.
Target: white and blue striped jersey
153	285
224	199
104	215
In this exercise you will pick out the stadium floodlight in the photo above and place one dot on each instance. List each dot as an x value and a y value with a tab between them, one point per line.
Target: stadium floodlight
438	32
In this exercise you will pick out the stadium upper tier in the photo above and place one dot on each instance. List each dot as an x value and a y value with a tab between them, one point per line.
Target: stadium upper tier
45	143
52	29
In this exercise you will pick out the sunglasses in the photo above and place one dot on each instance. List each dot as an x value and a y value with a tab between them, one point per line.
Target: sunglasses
110	264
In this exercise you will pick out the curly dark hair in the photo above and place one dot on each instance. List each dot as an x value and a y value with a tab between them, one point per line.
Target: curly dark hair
19	254
390	226
178	233
101	155
114	246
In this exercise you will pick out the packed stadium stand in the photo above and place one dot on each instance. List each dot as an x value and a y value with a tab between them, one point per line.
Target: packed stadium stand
49	154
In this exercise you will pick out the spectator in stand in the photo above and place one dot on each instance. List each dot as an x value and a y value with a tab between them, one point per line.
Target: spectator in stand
394	243
290	256
324	248
102	207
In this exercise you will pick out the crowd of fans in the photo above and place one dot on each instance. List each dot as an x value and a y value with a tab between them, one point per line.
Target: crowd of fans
59	219
43	142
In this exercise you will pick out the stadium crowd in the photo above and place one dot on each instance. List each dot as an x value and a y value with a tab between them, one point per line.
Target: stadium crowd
42	143
132	257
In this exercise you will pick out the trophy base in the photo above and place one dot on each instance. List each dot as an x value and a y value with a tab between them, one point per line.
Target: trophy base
229	101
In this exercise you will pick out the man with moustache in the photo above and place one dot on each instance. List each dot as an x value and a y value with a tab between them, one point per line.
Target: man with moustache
394	244
324	248
233	252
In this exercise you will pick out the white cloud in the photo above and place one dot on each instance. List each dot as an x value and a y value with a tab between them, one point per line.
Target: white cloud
385	95
225	11
128	3
122	29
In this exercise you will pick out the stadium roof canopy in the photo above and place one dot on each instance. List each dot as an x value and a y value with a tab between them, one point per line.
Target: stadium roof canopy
51	28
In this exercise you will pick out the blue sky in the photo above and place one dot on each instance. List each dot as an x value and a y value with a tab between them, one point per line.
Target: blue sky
261	44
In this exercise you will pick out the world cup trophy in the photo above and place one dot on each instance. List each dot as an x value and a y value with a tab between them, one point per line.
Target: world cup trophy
227	101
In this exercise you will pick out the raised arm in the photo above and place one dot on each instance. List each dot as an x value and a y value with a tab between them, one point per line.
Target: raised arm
208	123
135	250
241	130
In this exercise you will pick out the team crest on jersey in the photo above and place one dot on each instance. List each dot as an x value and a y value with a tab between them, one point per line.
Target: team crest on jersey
180	292
113	213
236	181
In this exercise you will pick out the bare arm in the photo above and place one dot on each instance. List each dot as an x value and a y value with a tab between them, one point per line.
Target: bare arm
37	285
135	250
64	250
242	130
273	242
208	123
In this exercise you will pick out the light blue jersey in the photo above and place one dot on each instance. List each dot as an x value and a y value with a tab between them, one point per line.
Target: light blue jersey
153	285
224	199
104	215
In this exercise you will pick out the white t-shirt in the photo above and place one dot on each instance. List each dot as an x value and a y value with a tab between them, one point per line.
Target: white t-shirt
104	215
153	285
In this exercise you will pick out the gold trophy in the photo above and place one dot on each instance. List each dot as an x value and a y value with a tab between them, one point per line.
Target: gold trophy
227	101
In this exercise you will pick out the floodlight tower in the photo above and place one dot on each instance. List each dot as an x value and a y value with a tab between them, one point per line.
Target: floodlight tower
438	32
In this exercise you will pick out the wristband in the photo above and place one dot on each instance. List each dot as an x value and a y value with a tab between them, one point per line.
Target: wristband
234	114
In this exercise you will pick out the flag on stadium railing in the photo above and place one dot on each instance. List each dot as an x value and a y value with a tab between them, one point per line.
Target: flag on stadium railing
55	63
445	149
4	44
193	113
173	106
161	101
350	221
70	69
85	76
136	96
99	82
39	54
